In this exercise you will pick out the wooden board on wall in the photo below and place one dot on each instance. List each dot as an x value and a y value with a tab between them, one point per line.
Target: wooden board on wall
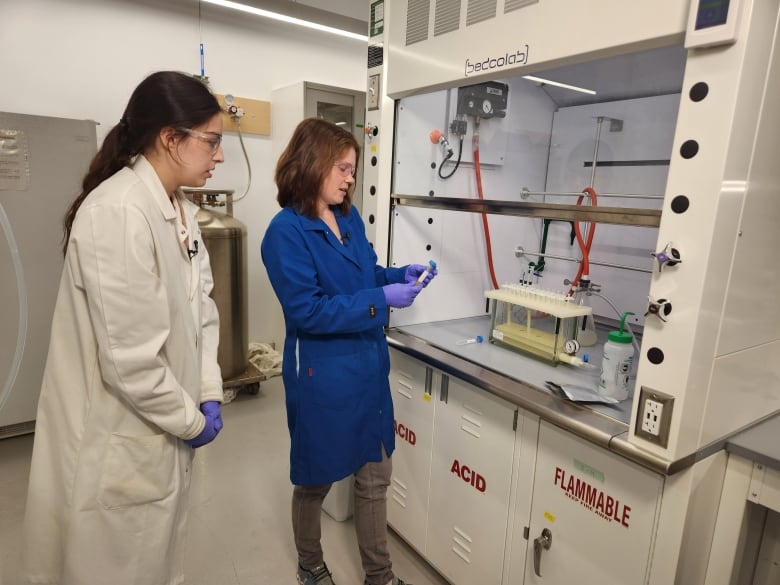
256	118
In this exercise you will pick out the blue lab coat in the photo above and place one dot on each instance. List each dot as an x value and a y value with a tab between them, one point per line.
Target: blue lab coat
336	363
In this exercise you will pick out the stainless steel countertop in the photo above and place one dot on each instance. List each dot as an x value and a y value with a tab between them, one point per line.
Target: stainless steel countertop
759	443
520	380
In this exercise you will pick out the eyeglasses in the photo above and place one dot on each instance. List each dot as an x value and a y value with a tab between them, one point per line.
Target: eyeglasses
213	139
345	168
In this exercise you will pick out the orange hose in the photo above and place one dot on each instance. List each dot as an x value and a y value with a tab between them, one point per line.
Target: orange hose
488	245
584	246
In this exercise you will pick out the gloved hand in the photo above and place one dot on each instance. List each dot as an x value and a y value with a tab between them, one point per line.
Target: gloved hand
213	425
413	271
400	295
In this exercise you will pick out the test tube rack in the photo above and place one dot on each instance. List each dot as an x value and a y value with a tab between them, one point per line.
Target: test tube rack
559	312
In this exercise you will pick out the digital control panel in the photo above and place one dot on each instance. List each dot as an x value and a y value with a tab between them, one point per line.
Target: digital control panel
712	22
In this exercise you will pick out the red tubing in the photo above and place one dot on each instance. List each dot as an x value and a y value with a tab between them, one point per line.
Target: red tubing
584	246
488	245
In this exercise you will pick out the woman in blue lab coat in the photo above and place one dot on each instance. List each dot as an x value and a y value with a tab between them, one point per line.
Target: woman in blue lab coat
336	363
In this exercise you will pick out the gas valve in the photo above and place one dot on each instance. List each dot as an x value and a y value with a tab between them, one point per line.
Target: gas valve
235	112
660	308
667	257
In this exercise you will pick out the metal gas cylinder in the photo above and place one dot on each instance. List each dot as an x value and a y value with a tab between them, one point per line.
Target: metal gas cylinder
225	239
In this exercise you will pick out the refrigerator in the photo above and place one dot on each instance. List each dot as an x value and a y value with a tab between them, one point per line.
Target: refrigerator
42	163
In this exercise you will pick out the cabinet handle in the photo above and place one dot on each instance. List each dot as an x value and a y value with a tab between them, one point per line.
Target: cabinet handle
541	543
428	381
444	394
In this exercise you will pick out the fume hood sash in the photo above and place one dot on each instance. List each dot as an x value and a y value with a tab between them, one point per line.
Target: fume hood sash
600	214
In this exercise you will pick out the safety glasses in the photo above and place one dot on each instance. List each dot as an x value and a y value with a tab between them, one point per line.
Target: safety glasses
213	139
345	169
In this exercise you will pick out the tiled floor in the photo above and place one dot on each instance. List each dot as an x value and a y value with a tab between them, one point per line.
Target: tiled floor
239	531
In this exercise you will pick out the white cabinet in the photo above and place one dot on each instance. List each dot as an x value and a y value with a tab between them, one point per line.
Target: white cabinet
599	509
476	481
452	471
471	476
407	509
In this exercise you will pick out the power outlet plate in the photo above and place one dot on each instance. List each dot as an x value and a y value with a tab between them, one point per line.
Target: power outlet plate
653	413
654	416
374	87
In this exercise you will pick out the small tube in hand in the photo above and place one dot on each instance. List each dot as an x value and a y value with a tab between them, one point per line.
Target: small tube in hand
425	273
477	339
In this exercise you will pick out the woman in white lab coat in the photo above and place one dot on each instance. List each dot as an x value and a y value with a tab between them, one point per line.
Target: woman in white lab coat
131	384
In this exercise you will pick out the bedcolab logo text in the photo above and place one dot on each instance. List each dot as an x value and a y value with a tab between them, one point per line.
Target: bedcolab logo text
517	57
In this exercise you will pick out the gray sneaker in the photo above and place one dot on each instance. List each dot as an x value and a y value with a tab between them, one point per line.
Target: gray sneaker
317	576
395	581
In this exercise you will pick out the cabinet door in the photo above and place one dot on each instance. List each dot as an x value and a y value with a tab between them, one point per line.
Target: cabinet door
407	510
471	471
599	510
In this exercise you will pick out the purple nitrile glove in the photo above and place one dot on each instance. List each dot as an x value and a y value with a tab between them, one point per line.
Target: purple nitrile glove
213	410
400	295
213	425
413	272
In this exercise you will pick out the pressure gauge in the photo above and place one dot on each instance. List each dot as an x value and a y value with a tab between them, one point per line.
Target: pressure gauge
571	346
487	106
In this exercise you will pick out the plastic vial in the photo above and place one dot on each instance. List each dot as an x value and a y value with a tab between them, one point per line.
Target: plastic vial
477	339
426	272
617	362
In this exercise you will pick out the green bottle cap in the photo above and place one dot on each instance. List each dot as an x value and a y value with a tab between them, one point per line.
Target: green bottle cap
621	336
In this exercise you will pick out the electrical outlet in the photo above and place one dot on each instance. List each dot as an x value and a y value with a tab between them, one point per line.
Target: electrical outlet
651	421
654	416
374	87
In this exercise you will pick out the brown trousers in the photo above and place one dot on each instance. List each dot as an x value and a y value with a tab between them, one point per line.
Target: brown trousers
371	482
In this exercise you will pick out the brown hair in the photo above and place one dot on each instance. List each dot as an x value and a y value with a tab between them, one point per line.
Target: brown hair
306	162
164	99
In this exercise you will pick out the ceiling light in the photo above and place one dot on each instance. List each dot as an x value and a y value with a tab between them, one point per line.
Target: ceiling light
288	19
558	84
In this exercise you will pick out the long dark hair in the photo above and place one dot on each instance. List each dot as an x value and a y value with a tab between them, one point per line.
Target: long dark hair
164	99
307	160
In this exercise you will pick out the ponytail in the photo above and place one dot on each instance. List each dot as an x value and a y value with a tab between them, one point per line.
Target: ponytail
112	157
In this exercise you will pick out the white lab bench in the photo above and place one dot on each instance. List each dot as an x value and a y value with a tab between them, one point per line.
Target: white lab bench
445	335
489	467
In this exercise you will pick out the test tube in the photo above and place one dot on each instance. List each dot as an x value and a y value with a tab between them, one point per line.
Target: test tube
477	339
425	273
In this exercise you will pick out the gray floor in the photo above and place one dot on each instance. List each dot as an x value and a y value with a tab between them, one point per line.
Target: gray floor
239	531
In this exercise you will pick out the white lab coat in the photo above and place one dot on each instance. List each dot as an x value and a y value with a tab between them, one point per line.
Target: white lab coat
133	353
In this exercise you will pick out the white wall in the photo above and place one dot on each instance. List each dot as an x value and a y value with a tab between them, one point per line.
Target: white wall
82	59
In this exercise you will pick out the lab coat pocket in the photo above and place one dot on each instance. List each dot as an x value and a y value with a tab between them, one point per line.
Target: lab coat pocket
336	382
137	470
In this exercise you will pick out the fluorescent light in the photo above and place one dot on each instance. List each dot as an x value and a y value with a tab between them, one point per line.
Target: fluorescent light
558	84
288	19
